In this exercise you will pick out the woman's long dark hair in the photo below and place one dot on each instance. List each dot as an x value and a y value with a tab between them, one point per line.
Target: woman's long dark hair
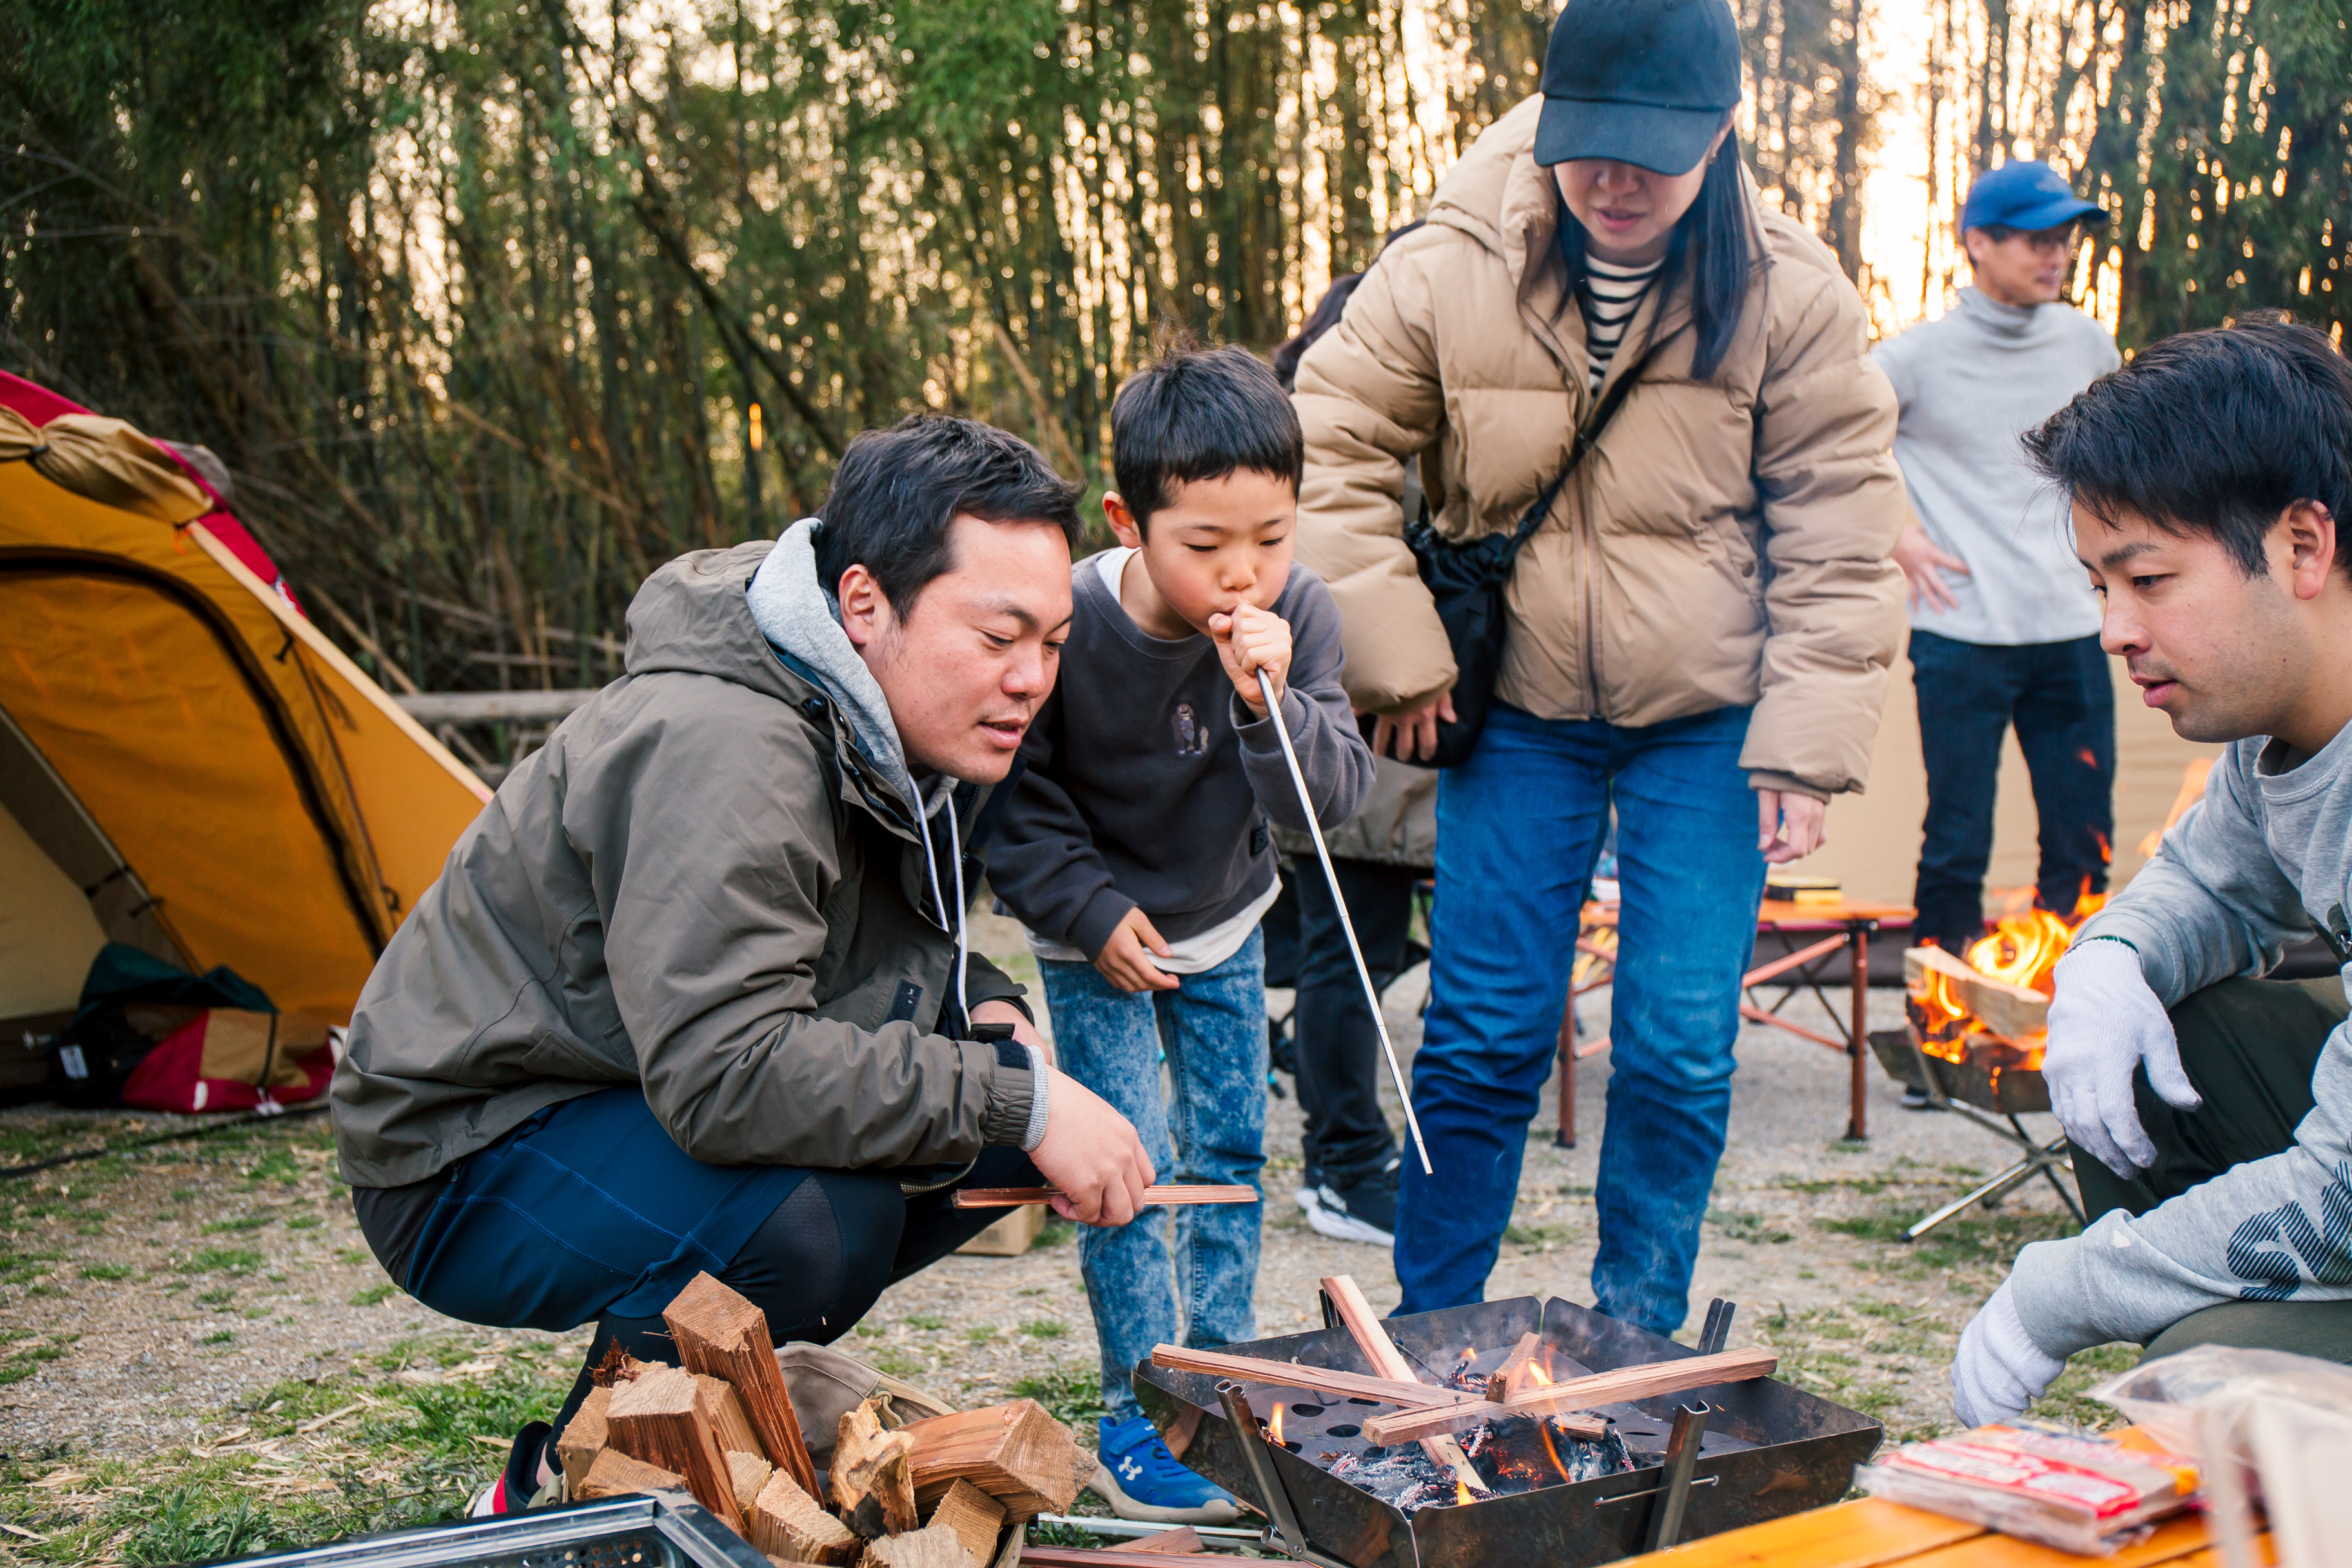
1710	244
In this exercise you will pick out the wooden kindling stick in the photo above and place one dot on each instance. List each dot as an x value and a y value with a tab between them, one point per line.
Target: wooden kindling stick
1014	1197
1623	1386
1364	1326
1412	1396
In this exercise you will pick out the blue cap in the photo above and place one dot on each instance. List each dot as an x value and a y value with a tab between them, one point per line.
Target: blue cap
2024	194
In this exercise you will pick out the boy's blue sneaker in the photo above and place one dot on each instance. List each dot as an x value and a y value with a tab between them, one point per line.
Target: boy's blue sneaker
1141	1480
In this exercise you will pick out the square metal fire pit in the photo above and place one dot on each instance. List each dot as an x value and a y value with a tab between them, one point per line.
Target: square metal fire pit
1769	1449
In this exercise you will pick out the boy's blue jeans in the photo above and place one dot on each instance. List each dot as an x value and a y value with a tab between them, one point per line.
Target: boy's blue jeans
1213	1129
1519	828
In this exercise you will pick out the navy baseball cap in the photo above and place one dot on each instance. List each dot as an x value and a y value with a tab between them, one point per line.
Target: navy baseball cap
1646	83
2028	194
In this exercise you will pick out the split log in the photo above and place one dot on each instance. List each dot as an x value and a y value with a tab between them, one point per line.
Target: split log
720	1334
746	1474
871	1486
1364	1326
727	1417
1624	1385
786	1522
584	1438
1016	1453
2007	1009
1522	1356
614	1474
933	1548
977	1518
665	1418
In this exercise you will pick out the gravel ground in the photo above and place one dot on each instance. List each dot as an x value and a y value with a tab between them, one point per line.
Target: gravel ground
144	1297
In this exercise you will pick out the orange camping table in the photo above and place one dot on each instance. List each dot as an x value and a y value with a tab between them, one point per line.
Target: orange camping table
1850	924
1876	1533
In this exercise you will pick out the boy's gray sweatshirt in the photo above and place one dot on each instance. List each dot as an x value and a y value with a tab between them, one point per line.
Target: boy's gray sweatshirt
1148	782
2264	859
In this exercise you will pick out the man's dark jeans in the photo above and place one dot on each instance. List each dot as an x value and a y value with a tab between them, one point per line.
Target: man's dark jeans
2061	700
1347	1139
2249	1047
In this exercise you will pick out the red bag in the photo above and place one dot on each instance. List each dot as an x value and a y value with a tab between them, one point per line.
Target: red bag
225	1059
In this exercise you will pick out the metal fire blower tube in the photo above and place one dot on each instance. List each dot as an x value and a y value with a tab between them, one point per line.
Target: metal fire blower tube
1340	902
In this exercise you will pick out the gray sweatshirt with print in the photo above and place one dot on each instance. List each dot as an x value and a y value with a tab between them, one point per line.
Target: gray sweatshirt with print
1149	784
2264	859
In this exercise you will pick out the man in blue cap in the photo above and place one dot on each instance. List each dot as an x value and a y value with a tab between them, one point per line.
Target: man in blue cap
2003	628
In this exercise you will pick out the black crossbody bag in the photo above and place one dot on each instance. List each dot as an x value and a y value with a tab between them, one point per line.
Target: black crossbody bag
1466	583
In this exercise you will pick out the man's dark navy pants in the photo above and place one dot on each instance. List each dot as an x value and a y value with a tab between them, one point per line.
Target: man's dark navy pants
590	1213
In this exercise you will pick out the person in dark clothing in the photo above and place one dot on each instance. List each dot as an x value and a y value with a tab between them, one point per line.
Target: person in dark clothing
1348	1150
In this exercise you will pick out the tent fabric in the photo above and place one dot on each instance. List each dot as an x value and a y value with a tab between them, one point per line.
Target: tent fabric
222	784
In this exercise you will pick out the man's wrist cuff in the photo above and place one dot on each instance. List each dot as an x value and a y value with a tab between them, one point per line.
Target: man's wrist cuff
1039	1074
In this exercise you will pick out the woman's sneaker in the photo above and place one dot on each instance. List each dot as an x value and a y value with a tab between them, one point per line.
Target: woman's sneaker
1365	1211
515	1488
1143	1480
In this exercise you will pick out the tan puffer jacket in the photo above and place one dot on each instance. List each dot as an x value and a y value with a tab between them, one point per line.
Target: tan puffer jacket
1726	542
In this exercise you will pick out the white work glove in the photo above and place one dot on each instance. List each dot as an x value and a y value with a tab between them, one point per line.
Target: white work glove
1999	1369
2103	1022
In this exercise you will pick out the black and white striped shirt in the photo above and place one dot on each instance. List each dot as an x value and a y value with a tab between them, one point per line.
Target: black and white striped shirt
1611	294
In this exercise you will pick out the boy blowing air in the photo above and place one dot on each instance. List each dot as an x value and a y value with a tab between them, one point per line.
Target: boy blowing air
1137	849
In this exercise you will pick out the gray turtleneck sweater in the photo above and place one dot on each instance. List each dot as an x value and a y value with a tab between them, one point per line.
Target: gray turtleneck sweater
1969	384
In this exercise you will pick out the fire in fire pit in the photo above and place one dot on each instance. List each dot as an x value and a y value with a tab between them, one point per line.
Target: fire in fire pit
2002	990
1767	1449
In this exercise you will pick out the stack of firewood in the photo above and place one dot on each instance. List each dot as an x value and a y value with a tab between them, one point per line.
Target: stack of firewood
935	1493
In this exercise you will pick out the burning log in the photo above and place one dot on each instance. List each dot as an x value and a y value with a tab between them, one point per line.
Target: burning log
2000	1005
1499	1385
1624	1385
1364	1326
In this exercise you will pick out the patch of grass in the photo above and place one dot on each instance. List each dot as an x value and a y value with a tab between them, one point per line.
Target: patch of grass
1536	1238
21	1364
1575	1190
354	1256
1056	1232
1044	1329
278	1166
981	1333
926	1320
898	1362
1072	1395
222	1260
184	1195
1748	1227
374	1296
1865	1186
2064	1402
220	1298
304	1222
242	1222
220	1337
106	1271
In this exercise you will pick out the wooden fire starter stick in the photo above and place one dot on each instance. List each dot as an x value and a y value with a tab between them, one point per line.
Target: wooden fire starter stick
1014	1197
1415	1396
1364	1326
1626	1384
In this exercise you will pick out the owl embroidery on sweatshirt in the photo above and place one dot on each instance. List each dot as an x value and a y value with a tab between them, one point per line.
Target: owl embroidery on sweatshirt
1192	735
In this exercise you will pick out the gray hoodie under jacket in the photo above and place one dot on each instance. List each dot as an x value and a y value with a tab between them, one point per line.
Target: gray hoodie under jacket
2264	859
710	883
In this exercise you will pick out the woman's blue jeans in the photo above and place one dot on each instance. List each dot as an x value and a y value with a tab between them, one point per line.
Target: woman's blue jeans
1211	1130
1519	828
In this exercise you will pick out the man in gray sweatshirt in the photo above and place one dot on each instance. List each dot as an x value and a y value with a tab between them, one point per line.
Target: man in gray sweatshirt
2211	1111
2003	630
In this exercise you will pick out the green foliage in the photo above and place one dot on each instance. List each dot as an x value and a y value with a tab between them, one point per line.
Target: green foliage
221	1261
1072	1395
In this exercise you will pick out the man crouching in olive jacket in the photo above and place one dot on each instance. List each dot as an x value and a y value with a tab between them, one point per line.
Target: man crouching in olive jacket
693	993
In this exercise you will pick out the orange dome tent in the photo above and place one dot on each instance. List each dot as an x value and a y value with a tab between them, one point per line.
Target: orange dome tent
186	764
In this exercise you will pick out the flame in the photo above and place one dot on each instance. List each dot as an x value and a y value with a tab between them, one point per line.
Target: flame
1274	1428
2192	790
1461	1498
2023	949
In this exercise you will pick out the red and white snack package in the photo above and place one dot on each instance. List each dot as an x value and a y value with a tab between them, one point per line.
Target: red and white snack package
2072	1491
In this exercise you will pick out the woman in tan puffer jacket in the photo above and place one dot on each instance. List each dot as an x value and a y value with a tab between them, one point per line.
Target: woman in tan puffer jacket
1698	631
